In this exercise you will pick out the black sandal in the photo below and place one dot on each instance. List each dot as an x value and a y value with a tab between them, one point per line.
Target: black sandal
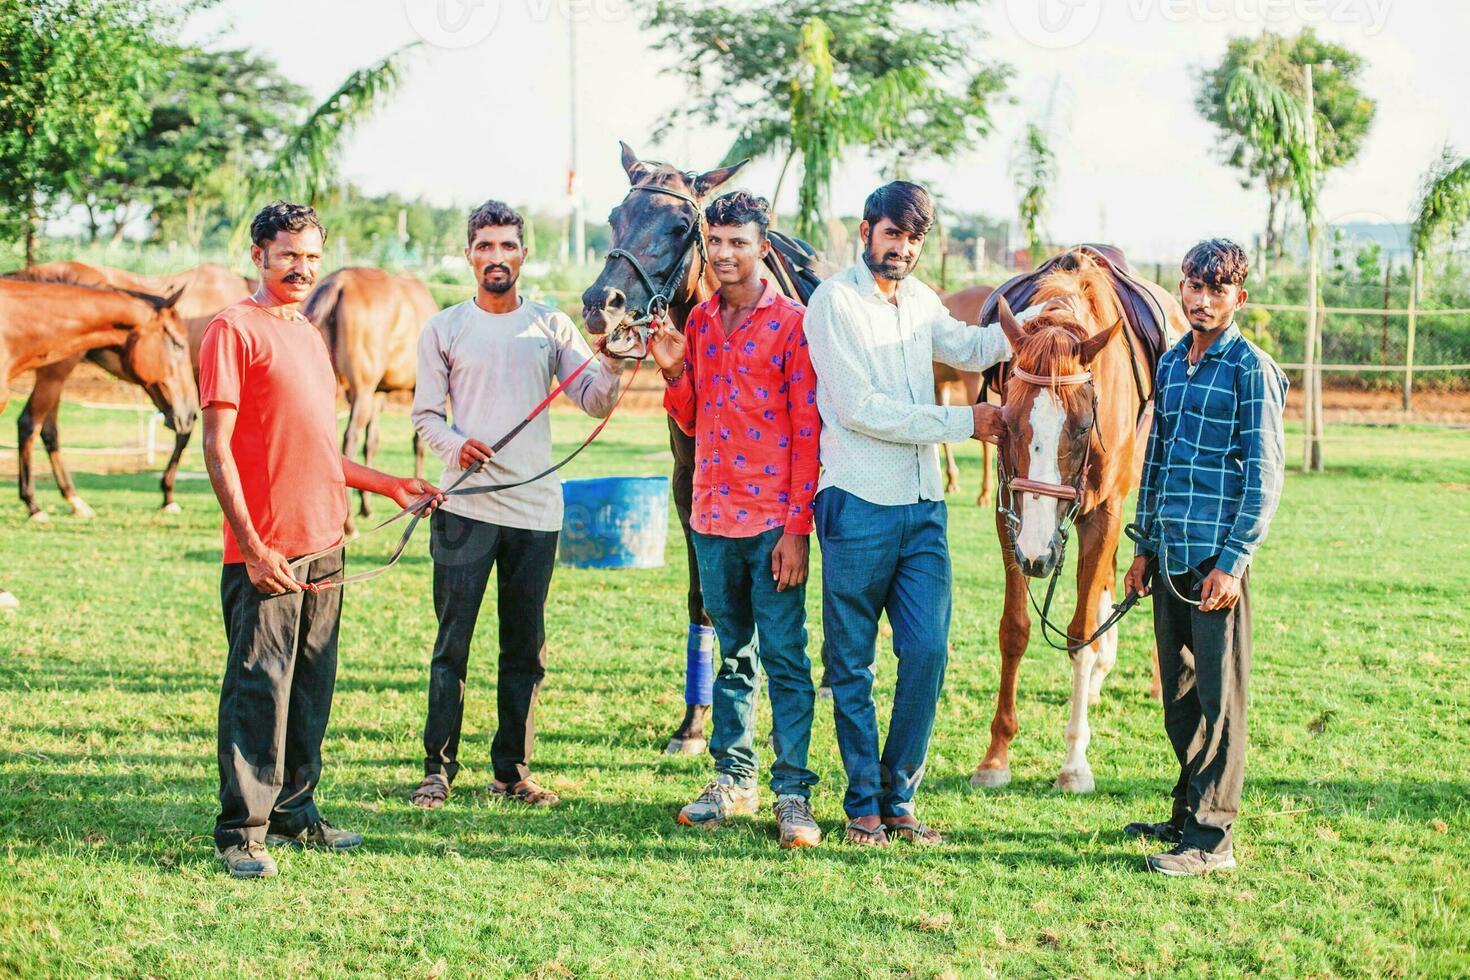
431	793
866	836
917	832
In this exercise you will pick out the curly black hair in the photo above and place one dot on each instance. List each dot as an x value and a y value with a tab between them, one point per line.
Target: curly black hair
495	214
279	216
738	208
1216	262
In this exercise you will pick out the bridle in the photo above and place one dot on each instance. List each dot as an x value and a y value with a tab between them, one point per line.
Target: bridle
629	338
1012	486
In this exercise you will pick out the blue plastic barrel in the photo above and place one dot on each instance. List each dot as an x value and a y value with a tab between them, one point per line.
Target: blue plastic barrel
614	522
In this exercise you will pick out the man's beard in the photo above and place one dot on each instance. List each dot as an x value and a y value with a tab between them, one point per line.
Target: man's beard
889	267
501	285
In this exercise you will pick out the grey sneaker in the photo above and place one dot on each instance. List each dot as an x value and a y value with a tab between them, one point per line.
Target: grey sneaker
718	801
320	836
795	823
247	860
1190	862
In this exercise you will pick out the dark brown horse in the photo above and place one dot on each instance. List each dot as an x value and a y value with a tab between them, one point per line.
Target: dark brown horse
953	386
657	256
207	290
1076	430
370	320
42	323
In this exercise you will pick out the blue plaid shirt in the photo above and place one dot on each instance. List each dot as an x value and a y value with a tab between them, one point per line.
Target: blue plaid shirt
1213	474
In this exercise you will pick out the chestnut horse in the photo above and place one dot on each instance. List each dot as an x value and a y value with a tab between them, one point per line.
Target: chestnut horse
1076	432
42	323
207	290
951	386
370	320
660	226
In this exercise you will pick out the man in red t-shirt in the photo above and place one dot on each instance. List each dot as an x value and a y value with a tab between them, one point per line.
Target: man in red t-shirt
269	395
740	382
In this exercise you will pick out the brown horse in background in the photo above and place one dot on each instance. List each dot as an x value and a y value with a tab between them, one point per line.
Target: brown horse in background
1076	432
46	323
207	290
370	320
953	386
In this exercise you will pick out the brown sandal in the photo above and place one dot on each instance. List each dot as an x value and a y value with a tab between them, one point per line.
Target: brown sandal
917	832
866	837
431	793
525	791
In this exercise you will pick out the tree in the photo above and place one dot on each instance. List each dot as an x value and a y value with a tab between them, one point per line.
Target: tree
1444	209
1034	171
1343	114
76	73
811	78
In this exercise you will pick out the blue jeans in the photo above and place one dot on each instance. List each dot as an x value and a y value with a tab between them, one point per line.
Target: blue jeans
874	558
741	598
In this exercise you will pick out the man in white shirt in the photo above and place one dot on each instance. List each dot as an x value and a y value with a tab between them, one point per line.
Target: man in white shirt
874	334
495	358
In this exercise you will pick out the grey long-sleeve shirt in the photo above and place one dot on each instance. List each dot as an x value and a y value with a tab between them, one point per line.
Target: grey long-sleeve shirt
494	369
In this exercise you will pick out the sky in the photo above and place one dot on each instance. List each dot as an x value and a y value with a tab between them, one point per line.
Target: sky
484	110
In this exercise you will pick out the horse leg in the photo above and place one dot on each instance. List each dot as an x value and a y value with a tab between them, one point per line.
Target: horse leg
987	476
370	448
418	456
1156	689
1097	542
25	439
951	468
171	474
688	738
51	438
360	406
1015	632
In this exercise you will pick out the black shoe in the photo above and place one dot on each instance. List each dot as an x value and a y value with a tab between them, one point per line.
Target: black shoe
1166	832
320	836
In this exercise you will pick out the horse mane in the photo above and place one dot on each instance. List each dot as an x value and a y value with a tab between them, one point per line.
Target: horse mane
1077	275
1053	346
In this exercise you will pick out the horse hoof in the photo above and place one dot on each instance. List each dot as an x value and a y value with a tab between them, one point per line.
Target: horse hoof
990	778
172	507
8	602
1075	782
824	694
40	517
81	508
689	745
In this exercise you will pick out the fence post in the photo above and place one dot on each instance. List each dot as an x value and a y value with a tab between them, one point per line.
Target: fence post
1414	277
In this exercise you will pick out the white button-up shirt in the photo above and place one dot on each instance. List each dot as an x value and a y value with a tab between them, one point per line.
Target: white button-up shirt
875	384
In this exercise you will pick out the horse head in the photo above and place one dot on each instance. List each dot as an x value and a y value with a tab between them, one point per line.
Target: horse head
156	356
656	259
1050	435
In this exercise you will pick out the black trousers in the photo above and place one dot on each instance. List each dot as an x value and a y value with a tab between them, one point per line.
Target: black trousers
274	703
464	551
1204	662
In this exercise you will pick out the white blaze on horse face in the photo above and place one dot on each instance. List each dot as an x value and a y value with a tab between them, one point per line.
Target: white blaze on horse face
1039	514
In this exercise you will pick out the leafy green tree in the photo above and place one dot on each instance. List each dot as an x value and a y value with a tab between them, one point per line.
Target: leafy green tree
811	78
74	85
1344	114
1034	172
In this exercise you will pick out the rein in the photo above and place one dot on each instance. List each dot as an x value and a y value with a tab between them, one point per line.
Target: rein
1011	485
415	512
635	344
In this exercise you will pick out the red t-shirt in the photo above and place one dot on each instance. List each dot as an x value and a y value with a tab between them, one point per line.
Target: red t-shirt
278	375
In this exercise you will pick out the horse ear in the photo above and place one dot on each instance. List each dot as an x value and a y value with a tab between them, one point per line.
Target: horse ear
1093	345
173	298
709	180
1009	325
631	163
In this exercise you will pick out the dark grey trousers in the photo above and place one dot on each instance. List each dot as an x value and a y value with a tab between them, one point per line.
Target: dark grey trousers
274	703
464	552
1204	660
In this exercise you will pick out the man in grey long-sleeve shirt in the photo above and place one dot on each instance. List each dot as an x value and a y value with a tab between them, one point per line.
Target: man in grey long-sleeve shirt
494	359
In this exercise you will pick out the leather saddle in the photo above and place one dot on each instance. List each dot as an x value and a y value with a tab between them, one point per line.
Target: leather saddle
1143	317
798	269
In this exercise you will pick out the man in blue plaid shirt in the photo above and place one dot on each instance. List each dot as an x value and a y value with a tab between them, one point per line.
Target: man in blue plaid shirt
1211	482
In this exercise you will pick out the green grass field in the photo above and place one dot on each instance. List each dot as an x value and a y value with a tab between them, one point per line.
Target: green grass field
1352	839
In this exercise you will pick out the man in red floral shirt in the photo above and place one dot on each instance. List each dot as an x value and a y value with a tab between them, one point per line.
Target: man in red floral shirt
740	381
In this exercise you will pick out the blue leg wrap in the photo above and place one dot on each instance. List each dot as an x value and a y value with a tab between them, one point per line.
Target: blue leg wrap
699	665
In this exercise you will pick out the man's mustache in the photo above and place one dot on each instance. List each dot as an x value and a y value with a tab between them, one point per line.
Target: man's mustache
296	277
496	268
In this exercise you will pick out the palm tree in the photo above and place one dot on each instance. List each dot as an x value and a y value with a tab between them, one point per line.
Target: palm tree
1280	125
827	116
1034	172
1444	208
305	165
